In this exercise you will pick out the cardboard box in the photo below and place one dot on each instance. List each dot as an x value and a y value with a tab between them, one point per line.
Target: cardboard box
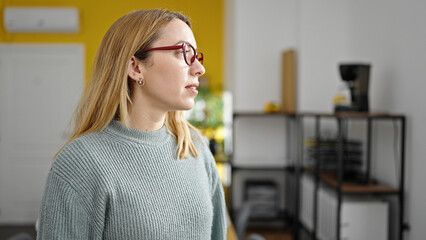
288	85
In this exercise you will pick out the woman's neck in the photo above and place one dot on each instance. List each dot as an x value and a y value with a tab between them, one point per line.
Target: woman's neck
143	119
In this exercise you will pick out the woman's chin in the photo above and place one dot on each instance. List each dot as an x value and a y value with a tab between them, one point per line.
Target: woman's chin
185	107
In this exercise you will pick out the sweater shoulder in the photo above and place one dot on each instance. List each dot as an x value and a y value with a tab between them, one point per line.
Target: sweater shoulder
79	155
199	140
202	144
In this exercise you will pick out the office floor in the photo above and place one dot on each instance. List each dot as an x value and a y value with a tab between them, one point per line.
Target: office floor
270	234
8	231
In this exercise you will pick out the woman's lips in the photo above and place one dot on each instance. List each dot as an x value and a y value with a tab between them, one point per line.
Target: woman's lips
193	88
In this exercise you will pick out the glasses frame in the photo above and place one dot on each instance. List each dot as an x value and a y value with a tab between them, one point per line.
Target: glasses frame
198	55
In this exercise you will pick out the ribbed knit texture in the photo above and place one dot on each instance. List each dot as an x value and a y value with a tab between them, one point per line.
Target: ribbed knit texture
123	183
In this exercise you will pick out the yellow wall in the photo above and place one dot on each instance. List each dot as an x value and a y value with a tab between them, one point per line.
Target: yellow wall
96	17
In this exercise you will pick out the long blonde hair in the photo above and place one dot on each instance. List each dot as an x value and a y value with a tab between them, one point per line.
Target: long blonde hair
107	95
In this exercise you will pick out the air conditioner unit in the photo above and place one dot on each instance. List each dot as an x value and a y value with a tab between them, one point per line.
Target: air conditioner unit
41	19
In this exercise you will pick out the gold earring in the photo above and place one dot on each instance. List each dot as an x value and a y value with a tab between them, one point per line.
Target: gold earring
141	82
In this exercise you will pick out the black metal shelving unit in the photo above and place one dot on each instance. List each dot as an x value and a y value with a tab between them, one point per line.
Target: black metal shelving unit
335	180
282	215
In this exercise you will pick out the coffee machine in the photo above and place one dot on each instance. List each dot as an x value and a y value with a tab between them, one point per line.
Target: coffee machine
356	77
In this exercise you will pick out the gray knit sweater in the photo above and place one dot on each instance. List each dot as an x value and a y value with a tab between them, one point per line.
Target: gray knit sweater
123	183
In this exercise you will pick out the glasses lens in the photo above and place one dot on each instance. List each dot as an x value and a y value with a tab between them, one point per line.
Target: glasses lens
200	57
189	54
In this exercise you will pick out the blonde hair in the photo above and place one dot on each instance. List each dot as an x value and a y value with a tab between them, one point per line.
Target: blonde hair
107	95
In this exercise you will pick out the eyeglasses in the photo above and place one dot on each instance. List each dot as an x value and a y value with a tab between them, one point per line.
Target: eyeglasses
189	52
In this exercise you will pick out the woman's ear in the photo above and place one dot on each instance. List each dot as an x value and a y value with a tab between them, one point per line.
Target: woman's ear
134	70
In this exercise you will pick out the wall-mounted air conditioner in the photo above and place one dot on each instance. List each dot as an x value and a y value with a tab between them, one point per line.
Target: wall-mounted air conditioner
41	19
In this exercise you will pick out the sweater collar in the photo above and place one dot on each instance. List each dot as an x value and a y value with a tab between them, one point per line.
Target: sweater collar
144	137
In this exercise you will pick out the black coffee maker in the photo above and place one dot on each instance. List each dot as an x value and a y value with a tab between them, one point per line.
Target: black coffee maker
356	77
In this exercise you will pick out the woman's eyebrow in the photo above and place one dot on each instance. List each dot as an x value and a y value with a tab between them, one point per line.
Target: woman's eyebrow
180	42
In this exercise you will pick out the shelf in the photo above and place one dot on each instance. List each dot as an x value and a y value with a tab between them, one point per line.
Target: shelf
353	115
372	115
350	187
281	215
330	178
262	114
261	168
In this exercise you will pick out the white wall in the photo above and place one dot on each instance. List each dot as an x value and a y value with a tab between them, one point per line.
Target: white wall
252	39
390	35
322	44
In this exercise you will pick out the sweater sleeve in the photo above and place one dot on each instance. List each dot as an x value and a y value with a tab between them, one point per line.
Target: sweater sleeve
62	214
219	208
219	225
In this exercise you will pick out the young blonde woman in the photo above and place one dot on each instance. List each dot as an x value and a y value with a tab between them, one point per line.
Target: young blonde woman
134	167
